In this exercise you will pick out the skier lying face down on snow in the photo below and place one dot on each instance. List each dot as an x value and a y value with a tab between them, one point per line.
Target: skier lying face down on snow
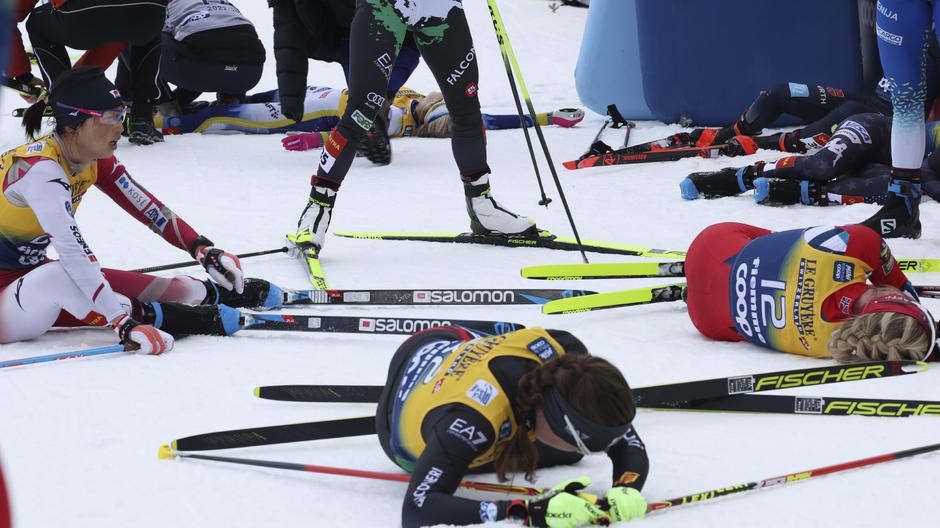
44	181
806	291
455	403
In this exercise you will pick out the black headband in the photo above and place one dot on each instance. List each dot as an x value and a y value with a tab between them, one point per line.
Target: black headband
566	422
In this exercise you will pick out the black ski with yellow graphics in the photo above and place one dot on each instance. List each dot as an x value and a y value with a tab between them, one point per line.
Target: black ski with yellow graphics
543	240
647	396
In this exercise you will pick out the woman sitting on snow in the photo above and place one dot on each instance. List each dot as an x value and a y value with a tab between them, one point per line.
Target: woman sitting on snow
44	182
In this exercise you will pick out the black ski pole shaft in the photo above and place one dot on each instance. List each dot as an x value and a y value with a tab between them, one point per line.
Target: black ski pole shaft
784	479
176	265
503	38
545	200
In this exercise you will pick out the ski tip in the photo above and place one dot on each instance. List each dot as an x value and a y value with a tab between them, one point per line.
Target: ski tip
166	452
257	392
570	165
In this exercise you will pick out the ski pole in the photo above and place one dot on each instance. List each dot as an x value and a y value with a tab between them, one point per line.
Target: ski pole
503	38
784	479
193	262
63	355
167	453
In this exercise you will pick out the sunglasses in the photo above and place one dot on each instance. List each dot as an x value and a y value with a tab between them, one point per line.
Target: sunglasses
108	117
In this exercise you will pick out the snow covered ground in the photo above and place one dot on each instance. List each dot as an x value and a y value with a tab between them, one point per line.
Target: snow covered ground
79	438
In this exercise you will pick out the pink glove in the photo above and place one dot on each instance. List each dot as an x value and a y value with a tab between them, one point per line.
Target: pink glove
305	141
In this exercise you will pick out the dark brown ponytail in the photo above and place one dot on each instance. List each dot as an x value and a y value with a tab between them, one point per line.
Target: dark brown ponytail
592	385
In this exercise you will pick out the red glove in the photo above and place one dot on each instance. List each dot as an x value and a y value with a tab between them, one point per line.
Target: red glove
141	338
305	141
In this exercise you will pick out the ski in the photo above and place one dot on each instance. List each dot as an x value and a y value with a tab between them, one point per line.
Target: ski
465	297
671	394
626	156
601	301
932	292
543	240
618	270
277	434
368	325
314	270
22	88
321	393
835	406
924	265
649	395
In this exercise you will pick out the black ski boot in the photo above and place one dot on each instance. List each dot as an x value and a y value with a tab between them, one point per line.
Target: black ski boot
726	182
777	191
179	319
258	294
900	215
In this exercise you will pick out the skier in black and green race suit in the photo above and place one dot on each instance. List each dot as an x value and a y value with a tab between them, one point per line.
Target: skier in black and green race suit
455	403
443	37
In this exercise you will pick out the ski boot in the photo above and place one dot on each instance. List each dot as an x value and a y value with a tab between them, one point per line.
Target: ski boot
900	215
179	319
315	220
138	126
566	117
726	182
776	191
258	294
486	215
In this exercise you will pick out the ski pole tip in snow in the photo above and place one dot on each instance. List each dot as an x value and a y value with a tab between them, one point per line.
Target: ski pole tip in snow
166	452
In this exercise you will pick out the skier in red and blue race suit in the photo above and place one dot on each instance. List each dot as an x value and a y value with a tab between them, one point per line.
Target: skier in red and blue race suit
43	183
806	291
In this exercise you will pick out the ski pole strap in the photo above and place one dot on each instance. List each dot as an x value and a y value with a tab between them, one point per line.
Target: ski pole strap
616	117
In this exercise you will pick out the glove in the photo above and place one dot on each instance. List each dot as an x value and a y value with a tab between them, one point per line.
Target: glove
292	107
566	117
223	267
563	507
625	503
141	338
305	141
910	291
740	146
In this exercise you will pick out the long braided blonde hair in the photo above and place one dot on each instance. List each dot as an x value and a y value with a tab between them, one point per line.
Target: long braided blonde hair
880	336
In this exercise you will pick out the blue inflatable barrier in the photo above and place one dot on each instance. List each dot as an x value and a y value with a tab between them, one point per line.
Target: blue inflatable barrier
608	70
664	59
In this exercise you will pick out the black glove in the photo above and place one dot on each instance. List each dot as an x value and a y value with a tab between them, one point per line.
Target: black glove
292	107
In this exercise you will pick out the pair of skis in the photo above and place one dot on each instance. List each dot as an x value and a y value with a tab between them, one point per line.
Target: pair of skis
729	394
655	294
673	148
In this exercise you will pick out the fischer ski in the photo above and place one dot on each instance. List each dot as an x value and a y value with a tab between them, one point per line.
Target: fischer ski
619	270
834	406
465	297
600	301
646	396
314	270
543	240
368	325
277	434
631	270
924	265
